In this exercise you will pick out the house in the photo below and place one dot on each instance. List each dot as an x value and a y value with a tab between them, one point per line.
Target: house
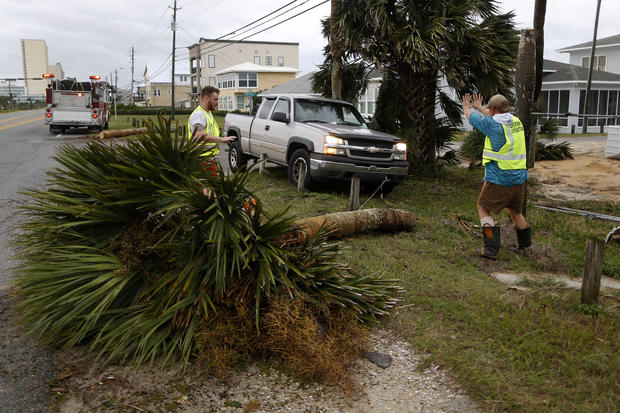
238	83
563	96
209	57
606	56
564	85
160	93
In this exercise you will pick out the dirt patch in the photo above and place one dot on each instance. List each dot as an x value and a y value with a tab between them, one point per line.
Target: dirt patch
400	388
590	176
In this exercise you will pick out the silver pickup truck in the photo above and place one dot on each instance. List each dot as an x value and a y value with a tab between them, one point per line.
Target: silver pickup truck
328	136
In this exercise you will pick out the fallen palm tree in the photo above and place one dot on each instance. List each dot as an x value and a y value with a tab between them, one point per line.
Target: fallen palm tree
117	133
122	252
341	224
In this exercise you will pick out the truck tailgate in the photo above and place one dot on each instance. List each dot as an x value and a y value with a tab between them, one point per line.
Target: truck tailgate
72	116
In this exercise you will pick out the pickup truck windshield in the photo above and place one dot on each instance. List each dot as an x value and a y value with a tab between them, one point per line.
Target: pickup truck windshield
321	111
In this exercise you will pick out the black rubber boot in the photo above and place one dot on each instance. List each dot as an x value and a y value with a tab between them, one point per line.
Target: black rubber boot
524	237
491	238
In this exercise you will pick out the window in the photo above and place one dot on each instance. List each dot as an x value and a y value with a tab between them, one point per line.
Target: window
603	105
211	60
240	102
268	60
212	81
599	62
156	92
266	108
256	60
169	91
282	106
280	60
308	110
367	101
225	81
248	79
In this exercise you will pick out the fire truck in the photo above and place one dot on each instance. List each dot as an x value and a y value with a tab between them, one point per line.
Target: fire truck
73	104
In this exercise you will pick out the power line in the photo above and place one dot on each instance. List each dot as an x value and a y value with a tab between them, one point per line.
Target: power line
200	12
274	25
145	36
257	20
263	23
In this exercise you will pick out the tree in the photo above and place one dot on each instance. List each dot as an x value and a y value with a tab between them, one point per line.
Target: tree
336	53
353	72
416	42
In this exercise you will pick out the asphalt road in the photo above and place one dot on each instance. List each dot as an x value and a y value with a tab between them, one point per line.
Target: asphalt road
26	150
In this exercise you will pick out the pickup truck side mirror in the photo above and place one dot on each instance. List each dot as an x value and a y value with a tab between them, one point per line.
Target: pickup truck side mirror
280	117
371	125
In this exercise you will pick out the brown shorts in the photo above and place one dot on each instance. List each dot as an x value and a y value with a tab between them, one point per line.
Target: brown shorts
495	197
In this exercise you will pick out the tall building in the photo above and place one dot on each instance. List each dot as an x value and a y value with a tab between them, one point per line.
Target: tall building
210	60
56	70
34	56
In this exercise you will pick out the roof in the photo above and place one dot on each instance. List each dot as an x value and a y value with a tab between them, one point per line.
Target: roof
606	41
303	84
203	40
563	72
252	67
300	85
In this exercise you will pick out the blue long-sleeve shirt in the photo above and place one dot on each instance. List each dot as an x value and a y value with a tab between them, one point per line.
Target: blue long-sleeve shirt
491	126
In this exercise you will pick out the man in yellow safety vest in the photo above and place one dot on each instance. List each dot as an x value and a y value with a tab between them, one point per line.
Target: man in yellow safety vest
202	126
504	159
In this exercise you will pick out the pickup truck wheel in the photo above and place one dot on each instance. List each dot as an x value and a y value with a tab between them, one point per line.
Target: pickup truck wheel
299	158
236	157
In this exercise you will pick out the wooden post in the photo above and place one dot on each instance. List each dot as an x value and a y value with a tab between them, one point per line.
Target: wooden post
354	199
302	177
261	167
591	284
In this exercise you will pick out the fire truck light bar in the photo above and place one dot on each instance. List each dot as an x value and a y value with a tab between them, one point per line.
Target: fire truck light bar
47	75
95	77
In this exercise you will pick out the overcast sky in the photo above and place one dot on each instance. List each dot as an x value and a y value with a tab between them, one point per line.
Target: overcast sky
89	37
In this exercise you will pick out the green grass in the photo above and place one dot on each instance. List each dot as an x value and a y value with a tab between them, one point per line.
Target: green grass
534	351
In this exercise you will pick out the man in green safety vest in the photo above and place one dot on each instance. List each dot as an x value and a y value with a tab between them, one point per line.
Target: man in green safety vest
504	159
203	128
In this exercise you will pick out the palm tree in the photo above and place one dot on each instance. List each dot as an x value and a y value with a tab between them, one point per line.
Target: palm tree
417	41
123	252
352	72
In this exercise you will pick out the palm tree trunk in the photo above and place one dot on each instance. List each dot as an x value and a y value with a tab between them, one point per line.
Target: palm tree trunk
342	224
419	122
540	10
525	79
336	47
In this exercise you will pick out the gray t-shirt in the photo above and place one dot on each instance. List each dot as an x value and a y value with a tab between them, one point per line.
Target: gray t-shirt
199	117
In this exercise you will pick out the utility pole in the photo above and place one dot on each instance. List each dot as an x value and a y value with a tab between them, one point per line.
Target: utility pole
584	129
173	26
132	61
115	90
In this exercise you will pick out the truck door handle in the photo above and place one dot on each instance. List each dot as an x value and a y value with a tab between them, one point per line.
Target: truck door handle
266	127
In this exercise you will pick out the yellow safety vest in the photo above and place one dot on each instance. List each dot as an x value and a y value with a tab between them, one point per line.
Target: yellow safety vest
512	155
211	148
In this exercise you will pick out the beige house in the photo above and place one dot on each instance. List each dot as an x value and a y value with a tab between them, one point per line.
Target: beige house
160	93
208	57
238	83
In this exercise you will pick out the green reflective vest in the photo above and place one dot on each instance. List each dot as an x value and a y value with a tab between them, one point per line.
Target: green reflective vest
512	155
211	148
